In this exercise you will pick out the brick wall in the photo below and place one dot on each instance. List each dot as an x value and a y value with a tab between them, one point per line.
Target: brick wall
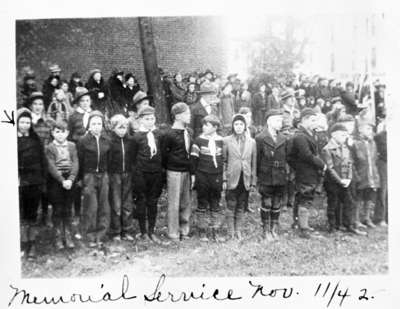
183	43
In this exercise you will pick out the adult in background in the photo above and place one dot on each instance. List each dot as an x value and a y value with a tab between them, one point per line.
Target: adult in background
98	90
245	96
206	105
132	87
226	108
27	88
116	92
191	95
51	84
178	89
273	100
259	105
308	167
75	82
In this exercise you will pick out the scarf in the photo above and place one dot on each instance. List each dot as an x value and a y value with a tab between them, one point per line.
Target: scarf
212	146
151	141
85	118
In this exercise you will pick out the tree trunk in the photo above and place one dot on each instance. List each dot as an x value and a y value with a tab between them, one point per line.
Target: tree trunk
153	78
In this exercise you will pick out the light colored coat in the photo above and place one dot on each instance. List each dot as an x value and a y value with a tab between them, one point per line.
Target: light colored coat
235	162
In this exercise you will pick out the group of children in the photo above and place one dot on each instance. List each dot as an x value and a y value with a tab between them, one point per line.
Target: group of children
116	175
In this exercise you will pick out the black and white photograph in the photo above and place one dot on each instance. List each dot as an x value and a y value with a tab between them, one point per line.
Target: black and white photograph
202	145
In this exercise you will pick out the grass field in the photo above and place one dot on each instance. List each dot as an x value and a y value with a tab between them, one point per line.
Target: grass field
333	254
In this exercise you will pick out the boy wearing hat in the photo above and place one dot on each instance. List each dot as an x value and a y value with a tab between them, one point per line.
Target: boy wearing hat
207	168
175	151
120	179
94	158
338	159
240	157
366	172
63	167
140	100
308	167
271	172
147	171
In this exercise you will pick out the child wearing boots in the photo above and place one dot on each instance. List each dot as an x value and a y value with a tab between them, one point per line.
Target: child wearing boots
63	168
366	173
93	153
31	177
240	156
339	161
147	171
120	173
271	172
207	171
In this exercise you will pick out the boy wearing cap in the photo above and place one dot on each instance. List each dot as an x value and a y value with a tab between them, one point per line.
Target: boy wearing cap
140	100
308	167
94	158
366	173
120	179
207	168
175	151
271	172
240	157
147	171
338	159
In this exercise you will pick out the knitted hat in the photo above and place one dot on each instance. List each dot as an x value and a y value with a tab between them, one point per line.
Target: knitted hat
273	112
207	88
79	93
95	114
94	71
306	112
140	96
24	112
336	99
338	127
146	110
286	94
239	117
214	120
179	108
35	95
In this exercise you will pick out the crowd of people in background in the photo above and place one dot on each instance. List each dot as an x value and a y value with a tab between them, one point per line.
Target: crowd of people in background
95	152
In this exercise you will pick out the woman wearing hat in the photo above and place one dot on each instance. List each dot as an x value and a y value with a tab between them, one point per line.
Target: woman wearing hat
98	89
75	81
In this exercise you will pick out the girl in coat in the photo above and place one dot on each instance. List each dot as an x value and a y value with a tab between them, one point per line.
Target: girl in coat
240	157
31	177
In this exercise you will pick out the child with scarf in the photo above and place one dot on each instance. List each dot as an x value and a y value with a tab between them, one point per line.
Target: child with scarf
207	174
240	157
146	159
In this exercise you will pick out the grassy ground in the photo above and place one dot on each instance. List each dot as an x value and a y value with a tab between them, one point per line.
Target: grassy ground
333	254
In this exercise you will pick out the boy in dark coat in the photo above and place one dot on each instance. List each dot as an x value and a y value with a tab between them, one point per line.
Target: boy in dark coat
175	150
339	161
63	166
93	152
207	168
271	172
308	167
366	172
31	177
148	180
120	173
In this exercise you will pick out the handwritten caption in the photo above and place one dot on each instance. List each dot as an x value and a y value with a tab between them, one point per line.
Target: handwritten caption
330	293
